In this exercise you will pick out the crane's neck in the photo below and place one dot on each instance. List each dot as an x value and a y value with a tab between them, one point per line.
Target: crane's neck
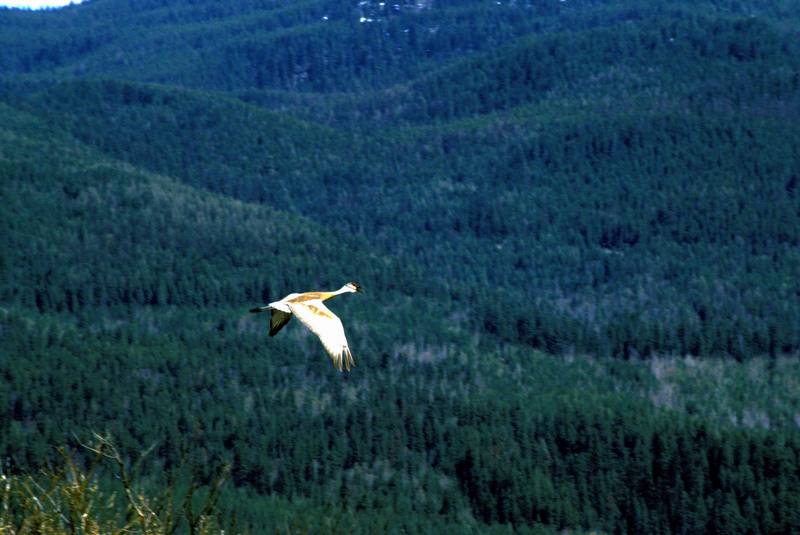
343	290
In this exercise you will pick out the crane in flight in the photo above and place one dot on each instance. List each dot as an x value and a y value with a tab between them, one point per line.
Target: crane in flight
310	309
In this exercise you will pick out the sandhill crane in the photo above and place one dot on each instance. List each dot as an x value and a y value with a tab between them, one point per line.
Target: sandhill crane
309	309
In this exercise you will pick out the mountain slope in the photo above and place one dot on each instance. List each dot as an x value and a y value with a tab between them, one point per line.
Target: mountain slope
536	199
79	205
257	44
525	190
312	45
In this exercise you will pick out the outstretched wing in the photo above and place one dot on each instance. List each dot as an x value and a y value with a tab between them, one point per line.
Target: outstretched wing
328	327
277	320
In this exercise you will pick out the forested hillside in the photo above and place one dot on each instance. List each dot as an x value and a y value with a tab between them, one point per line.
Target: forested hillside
577	224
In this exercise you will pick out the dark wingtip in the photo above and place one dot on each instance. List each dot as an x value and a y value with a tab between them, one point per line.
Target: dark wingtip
256	310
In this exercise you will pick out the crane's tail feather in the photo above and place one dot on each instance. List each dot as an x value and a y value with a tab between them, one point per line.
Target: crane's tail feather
256	310
346	358
349	362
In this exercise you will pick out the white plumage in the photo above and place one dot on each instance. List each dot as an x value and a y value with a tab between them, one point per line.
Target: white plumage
312	312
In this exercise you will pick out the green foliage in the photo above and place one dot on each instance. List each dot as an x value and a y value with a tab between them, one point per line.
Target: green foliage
74	499
549	204
419	434
602	169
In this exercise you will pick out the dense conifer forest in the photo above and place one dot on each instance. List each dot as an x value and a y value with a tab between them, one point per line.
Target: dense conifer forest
577	224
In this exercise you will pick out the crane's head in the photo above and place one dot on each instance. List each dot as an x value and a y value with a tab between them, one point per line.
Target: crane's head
353	286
